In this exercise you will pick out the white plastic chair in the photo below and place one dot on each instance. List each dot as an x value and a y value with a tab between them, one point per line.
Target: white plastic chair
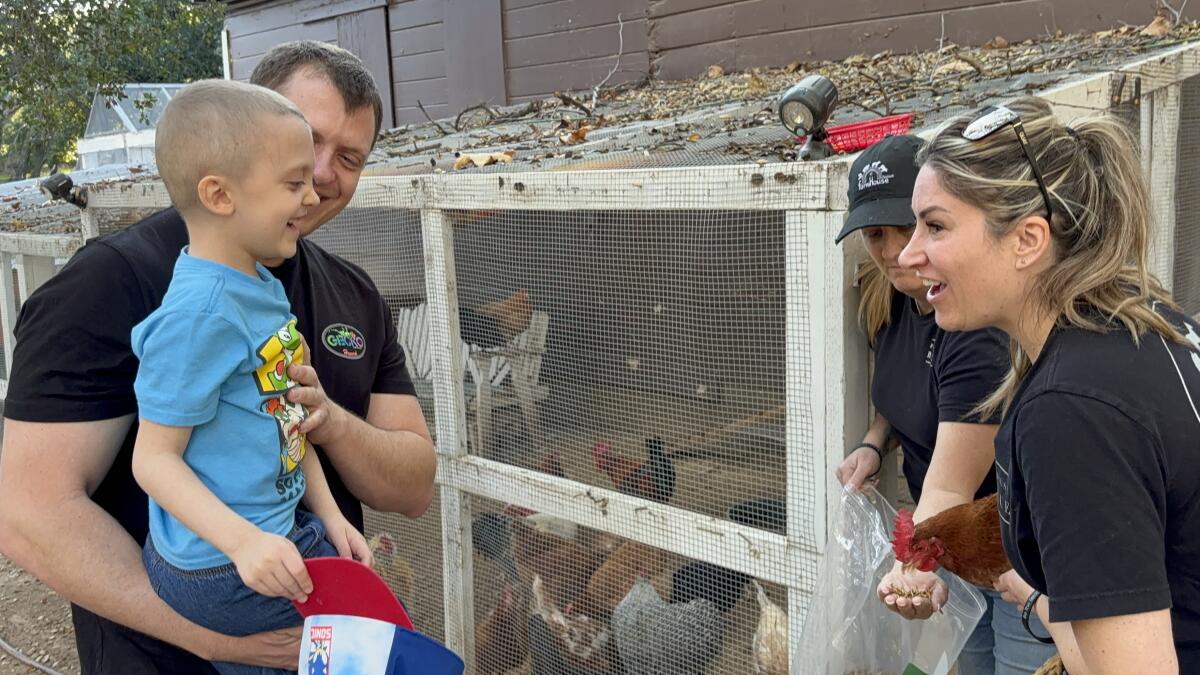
498	377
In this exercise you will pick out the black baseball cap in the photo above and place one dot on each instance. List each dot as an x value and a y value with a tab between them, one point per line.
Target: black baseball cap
881	185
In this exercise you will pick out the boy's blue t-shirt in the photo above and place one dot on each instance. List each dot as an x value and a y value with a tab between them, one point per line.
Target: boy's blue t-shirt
214	357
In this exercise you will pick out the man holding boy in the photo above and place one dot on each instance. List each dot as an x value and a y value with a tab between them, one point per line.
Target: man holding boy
70	511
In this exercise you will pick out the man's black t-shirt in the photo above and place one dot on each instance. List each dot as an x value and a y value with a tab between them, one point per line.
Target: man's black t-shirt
72	361
1098	464
925	376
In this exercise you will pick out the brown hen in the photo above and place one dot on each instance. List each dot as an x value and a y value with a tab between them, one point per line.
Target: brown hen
964	539
502	638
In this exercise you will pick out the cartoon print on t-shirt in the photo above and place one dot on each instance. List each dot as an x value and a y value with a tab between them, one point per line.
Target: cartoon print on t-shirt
279	351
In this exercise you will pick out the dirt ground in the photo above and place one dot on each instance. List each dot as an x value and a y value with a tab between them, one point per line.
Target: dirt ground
36	621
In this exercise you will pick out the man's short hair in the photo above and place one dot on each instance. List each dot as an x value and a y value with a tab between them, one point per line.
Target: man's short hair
342	68
212	127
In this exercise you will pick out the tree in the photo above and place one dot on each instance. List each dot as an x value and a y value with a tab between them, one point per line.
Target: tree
55	55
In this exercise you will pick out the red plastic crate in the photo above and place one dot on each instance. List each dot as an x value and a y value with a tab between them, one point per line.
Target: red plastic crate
845	138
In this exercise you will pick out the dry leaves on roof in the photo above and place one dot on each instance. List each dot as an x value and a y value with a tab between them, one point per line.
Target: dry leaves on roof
467	159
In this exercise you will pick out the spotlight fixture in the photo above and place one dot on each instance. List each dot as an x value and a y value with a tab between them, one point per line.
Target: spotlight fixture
60	186
804	109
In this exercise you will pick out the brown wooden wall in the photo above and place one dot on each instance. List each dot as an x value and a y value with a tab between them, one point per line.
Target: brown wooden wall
357	25
571	44
688	35
417	38
450	54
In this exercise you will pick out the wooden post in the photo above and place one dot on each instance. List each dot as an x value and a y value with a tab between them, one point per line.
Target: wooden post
8	308
1160	143
450	422
89	227
805	396
35	271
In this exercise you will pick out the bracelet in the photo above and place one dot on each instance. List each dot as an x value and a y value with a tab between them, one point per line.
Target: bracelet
1026	611
877	450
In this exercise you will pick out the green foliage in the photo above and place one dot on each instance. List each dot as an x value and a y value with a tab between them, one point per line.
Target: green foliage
56	54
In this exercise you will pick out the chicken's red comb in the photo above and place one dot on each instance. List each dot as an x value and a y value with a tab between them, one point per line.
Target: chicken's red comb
903	534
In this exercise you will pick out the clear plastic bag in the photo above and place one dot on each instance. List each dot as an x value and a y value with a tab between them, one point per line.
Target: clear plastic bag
848	631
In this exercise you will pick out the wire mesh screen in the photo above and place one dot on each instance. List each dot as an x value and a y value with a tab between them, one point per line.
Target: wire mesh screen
382	237
112	220
408	555
638	351
630	339
1186	268
555	598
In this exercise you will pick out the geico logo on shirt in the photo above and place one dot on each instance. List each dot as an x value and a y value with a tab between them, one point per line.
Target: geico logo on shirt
344	340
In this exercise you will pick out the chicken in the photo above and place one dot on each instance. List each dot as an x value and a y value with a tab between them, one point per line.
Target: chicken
565	566
548	524
1054	666
490	538
699	580
652	478
766	514
502	638
770	637
552	464
567	642
656	638
512	313
544	522
616	576
391	566
964	539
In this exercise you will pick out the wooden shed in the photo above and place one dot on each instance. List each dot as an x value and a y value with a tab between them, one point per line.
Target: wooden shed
451	54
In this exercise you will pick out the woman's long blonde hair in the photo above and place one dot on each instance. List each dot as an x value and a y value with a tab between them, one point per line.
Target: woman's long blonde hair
875	298
1100	224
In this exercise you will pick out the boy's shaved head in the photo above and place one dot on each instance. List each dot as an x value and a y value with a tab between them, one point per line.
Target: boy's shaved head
213	127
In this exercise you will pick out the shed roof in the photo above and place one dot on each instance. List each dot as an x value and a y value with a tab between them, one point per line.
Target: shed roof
730	118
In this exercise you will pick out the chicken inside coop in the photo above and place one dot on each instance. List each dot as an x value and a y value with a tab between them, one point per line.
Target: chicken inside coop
571	601
513	313
393	567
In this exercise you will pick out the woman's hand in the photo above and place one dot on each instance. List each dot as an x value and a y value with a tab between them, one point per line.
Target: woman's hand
857	468
1012	588
912	595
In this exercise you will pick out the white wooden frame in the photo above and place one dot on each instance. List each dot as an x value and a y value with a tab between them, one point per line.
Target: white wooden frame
31	259
826	411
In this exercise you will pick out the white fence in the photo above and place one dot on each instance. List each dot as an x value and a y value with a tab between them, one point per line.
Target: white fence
824	360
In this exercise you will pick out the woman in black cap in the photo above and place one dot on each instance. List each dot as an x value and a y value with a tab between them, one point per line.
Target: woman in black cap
926	385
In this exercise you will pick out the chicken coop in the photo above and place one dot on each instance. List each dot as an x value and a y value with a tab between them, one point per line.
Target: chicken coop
638	346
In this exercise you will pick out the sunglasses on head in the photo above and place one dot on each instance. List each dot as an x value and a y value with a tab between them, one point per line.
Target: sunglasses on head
994	118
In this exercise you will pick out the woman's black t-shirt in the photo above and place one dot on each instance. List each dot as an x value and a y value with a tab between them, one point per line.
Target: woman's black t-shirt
1099	478
925	375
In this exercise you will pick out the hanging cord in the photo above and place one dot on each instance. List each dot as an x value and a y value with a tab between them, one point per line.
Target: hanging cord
18	655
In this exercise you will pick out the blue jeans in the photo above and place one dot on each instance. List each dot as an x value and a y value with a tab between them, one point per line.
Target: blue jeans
217	599
1000	645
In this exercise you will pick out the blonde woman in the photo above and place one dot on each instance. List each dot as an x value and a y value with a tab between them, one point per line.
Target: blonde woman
1041	230
927	382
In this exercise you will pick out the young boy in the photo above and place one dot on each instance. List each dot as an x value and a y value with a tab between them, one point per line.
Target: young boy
221	450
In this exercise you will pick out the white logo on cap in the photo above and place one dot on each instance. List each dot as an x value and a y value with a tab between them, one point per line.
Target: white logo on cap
873	175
